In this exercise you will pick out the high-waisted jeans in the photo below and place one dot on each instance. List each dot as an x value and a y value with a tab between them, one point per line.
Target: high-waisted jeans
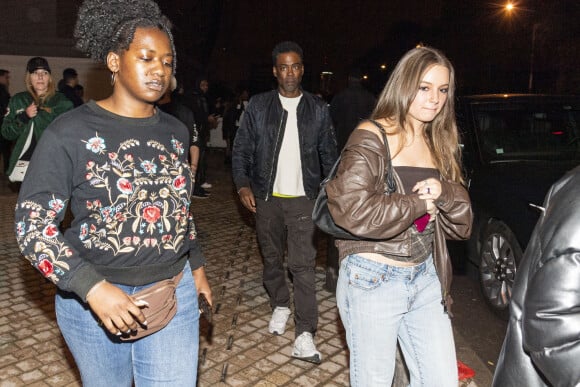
165	358
380	304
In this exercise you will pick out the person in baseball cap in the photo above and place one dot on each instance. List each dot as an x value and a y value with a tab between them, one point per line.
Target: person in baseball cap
31	111
37	63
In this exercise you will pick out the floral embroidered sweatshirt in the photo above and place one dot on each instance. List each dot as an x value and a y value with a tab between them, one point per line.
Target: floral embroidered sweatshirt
128	184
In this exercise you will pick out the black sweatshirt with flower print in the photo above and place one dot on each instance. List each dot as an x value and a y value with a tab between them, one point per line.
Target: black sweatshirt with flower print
128	184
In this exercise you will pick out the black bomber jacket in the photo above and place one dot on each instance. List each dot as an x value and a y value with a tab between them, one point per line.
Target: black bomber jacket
256	149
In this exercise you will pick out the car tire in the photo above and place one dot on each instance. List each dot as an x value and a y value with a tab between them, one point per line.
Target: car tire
499	256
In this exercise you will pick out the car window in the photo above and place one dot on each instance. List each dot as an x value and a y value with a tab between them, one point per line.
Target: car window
525	132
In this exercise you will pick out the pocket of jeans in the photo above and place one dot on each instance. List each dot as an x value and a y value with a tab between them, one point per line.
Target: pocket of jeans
364	277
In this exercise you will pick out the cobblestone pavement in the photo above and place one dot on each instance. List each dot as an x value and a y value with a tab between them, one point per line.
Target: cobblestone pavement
236	351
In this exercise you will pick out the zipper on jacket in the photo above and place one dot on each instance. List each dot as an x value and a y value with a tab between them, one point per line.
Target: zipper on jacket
276	149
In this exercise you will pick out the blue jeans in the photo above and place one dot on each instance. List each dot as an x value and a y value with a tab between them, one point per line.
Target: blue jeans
380	304
165	358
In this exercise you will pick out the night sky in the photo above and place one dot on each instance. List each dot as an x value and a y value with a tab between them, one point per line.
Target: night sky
231	40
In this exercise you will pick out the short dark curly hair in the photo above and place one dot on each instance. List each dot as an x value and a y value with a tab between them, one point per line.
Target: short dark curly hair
287	46
105	26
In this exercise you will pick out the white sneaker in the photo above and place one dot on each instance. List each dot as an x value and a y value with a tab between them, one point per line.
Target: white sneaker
304	349
277	325
206	185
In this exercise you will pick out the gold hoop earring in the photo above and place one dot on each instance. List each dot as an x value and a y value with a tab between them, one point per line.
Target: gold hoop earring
113	78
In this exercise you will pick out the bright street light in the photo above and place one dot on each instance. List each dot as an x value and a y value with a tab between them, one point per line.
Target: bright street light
510	8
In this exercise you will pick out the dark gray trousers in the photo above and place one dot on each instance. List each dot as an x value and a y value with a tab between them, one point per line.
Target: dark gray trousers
286	223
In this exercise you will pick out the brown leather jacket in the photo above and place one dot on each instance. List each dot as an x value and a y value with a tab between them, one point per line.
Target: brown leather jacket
358	203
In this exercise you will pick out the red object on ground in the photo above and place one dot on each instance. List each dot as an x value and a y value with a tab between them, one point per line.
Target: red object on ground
464	371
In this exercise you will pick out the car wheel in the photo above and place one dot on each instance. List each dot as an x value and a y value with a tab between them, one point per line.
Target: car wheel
500	253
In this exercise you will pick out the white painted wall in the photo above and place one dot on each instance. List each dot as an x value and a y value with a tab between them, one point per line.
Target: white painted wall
94	77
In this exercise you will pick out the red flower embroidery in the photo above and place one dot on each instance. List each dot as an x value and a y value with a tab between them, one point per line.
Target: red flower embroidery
45	266
151	214
179	182
124	186
50	231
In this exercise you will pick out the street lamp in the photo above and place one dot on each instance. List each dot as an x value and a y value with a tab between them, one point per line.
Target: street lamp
509	8
531	78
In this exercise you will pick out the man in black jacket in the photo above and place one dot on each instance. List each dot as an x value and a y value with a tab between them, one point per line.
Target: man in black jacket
542	344
285	141
67	85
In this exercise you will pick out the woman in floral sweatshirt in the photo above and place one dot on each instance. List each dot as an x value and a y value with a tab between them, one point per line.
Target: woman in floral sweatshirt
122	167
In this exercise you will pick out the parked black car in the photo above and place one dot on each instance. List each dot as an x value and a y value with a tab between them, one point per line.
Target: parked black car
515	147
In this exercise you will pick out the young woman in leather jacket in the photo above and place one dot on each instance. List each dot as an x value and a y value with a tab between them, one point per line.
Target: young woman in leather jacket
394	283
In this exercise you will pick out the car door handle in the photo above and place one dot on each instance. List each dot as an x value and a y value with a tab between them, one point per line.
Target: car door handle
540	208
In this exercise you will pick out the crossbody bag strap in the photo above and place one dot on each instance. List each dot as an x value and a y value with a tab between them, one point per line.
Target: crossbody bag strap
28	140
390	178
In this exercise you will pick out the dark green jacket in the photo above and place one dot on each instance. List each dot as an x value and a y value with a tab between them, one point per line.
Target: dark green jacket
16	123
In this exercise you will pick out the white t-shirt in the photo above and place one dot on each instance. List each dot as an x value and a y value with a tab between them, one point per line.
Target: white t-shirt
288	181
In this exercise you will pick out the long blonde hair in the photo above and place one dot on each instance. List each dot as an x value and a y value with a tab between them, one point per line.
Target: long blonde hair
441	134
40	99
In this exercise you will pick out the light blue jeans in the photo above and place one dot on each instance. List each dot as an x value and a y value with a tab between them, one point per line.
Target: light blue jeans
379	304
165	358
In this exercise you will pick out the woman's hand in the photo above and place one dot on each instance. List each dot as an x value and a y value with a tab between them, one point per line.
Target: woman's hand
202	284
31	110
115	309
429	190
